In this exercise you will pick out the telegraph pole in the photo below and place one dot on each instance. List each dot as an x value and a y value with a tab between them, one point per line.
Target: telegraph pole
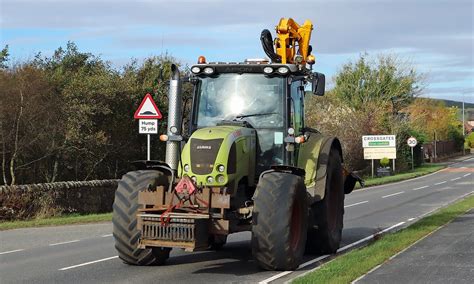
463	127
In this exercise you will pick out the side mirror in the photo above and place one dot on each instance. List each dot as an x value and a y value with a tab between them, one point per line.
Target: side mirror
319	84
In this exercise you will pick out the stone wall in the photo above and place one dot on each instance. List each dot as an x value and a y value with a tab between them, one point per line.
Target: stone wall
20	202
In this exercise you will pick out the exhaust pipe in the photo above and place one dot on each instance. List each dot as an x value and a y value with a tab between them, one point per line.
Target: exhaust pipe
173	148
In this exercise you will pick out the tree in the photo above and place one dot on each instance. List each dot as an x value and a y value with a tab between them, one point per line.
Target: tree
368	98
4	57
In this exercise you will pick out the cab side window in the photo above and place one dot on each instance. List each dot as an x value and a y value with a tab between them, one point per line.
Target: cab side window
297	111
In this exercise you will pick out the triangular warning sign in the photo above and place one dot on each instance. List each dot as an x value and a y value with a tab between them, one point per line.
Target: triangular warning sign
148	109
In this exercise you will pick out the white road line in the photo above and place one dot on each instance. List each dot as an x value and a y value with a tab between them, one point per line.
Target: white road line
313	261
420	187
393	194
10	251
440	183
105	236
358	203
455	178
63	243
274	277
87	263
466	175
284	273
411	219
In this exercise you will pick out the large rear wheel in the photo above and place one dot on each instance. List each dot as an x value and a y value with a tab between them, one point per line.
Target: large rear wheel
124	218
280	218
327	214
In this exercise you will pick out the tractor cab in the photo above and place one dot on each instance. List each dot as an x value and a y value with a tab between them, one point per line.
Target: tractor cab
266	97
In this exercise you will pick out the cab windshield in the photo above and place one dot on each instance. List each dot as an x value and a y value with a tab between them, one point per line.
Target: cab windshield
255	98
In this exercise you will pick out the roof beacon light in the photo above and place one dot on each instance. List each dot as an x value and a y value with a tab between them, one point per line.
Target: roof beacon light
201	60
311	59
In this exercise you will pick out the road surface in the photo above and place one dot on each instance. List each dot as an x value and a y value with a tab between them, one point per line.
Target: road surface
86	254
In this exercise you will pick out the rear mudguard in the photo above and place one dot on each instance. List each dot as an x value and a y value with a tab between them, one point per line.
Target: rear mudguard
313	158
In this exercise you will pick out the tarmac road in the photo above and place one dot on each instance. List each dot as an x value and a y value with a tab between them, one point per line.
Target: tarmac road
86	254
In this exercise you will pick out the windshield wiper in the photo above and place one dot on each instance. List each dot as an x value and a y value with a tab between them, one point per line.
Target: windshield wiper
253	114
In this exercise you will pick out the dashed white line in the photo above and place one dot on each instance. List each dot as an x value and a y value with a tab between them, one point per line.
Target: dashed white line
411	219
393	194
466	175
358	203
438	183
87	263
105	236
63	243
11	251
420	187
455	178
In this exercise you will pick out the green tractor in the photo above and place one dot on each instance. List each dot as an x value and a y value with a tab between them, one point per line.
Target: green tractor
248	163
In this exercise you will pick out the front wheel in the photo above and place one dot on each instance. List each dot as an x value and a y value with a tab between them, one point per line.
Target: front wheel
124	218
279	221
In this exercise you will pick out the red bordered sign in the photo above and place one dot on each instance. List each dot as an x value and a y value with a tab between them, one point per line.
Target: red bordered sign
147	109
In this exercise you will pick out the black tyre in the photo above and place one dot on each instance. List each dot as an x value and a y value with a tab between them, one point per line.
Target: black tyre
124	218
328	213
280	220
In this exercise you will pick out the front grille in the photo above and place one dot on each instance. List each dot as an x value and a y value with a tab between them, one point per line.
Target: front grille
181	230
204	154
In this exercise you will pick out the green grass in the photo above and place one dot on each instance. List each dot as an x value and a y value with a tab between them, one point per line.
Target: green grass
56	221
420	171
350	266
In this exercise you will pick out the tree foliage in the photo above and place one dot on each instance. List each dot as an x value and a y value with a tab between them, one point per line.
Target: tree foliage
70	116
367	99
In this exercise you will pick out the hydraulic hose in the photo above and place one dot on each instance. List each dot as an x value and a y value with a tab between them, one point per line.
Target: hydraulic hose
267	44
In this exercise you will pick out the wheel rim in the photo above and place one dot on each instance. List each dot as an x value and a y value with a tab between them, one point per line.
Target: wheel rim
295	228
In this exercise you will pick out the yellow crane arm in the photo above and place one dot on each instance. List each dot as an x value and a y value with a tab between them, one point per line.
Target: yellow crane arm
288	34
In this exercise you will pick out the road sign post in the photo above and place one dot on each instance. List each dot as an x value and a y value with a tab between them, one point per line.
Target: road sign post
148	115
412	143
377	147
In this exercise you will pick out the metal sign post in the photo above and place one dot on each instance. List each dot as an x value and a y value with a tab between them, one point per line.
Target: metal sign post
412	143
148	151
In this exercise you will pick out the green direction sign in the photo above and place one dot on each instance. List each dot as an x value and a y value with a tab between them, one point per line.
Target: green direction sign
379	143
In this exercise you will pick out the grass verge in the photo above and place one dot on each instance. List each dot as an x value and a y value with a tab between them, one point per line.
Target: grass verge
56	221
420	171
356	263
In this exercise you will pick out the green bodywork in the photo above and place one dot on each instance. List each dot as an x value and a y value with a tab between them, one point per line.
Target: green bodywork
245	147
313	158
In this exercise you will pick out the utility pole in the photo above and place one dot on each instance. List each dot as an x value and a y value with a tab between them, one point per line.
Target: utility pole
463	128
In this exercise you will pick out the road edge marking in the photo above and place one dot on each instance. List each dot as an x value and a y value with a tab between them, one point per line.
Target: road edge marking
284	273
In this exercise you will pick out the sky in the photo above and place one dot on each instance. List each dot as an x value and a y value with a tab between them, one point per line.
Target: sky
434	36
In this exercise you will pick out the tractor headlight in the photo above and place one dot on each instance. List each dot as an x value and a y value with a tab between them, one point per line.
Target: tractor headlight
194	179
267	70
186	168
195	69
220	178
210	179
220	168
208	70
283	70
